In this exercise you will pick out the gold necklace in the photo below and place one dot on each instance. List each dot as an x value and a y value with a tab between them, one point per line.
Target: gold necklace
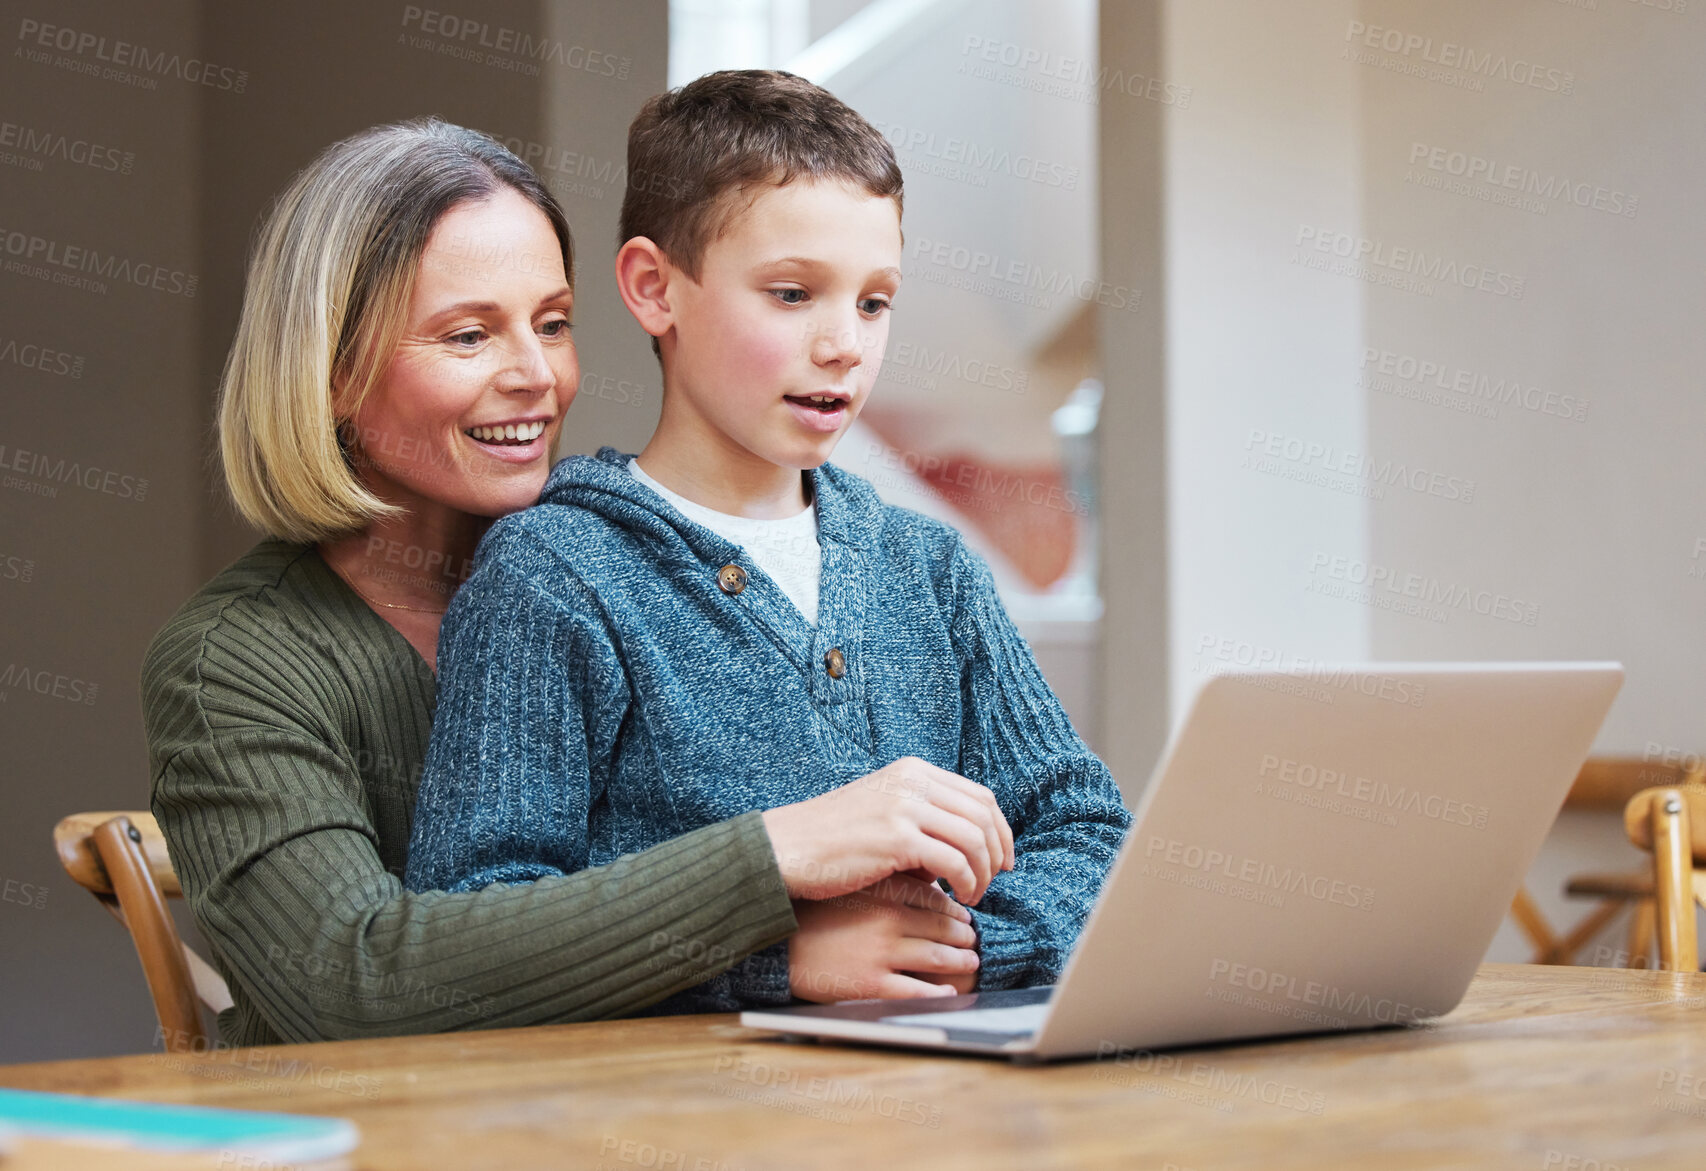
389	605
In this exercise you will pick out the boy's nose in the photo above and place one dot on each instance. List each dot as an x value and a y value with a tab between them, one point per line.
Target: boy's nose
839	346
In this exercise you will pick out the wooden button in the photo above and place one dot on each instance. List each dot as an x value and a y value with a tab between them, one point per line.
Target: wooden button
731	579
836	662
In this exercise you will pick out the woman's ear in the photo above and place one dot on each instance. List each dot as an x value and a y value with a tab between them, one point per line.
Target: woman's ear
643	274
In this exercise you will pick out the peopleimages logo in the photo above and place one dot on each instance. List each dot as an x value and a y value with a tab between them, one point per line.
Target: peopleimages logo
1316	994
1013	279
37	256
63	471
19	569
34	356
1523	180
1385	370
50	144
1076	78
830	1092
954	157
985	483
49	683
1343	783
1218	654
928	365
395	991
588	175
1142	1069
24	894
275	1073
1281	880
1450	55
475	40
1436	596
1329	459
1399	260
124	55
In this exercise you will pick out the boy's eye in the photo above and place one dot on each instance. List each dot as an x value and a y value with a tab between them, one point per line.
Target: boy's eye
872	306
789	296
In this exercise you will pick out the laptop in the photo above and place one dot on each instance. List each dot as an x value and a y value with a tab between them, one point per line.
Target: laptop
1318	850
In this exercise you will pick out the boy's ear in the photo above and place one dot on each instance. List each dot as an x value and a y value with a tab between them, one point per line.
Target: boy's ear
643	274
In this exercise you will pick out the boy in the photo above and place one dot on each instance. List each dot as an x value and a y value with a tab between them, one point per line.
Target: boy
726	622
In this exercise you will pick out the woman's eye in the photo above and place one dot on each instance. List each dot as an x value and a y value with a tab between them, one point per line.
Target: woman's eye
556	327
872	306
789	296
467	339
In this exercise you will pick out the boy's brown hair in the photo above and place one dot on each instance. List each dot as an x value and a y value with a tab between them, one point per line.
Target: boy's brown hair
693	150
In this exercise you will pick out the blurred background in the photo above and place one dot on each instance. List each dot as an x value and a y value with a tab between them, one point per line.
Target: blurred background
1233	333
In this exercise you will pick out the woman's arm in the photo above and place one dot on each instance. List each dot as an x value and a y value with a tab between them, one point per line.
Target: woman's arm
1065	809
273	840
281	868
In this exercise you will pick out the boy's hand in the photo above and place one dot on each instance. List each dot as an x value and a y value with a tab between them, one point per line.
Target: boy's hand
898	938
966	981
907	816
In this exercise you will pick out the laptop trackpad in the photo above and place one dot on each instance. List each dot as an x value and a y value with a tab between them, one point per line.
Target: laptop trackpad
1012	1013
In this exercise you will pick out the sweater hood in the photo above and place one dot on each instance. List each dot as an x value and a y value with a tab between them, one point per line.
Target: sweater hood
849	510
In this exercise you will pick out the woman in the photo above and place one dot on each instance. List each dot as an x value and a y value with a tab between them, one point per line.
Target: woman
398	380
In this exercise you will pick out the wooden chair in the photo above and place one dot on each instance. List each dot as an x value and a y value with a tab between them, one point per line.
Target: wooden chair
1671	823
1613	783
121	859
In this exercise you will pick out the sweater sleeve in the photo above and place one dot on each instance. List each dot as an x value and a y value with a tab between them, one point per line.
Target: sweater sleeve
530	693
269	832
1064	808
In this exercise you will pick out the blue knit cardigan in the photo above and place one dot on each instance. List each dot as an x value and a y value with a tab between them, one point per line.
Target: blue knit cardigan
599	693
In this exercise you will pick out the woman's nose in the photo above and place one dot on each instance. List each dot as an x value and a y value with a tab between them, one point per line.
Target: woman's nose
528	369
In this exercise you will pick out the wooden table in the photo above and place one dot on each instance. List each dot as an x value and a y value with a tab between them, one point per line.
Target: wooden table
1568	1069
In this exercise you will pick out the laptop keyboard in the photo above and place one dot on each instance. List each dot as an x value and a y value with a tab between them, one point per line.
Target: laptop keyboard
1015	1020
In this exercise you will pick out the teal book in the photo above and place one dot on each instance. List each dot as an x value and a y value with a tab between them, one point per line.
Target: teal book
281	1138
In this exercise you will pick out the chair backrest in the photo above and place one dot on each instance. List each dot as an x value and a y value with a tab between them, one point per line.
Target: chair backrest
1638	817
73	841
121	858
1671	823
1608	782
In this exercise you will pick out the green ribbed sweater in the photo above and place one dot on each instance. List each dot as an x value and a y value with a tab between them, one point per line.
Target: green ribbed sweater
287	724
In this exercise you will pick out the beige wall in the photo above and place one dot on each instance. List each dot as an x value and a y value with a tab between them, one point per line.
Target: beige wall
1255	346
106	568
585	114
1587	513
1573	508
106	562
1138	622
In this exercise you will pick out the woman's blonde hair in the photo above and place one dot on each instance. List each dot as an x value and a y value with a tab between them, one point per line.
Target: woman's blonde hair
324	305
